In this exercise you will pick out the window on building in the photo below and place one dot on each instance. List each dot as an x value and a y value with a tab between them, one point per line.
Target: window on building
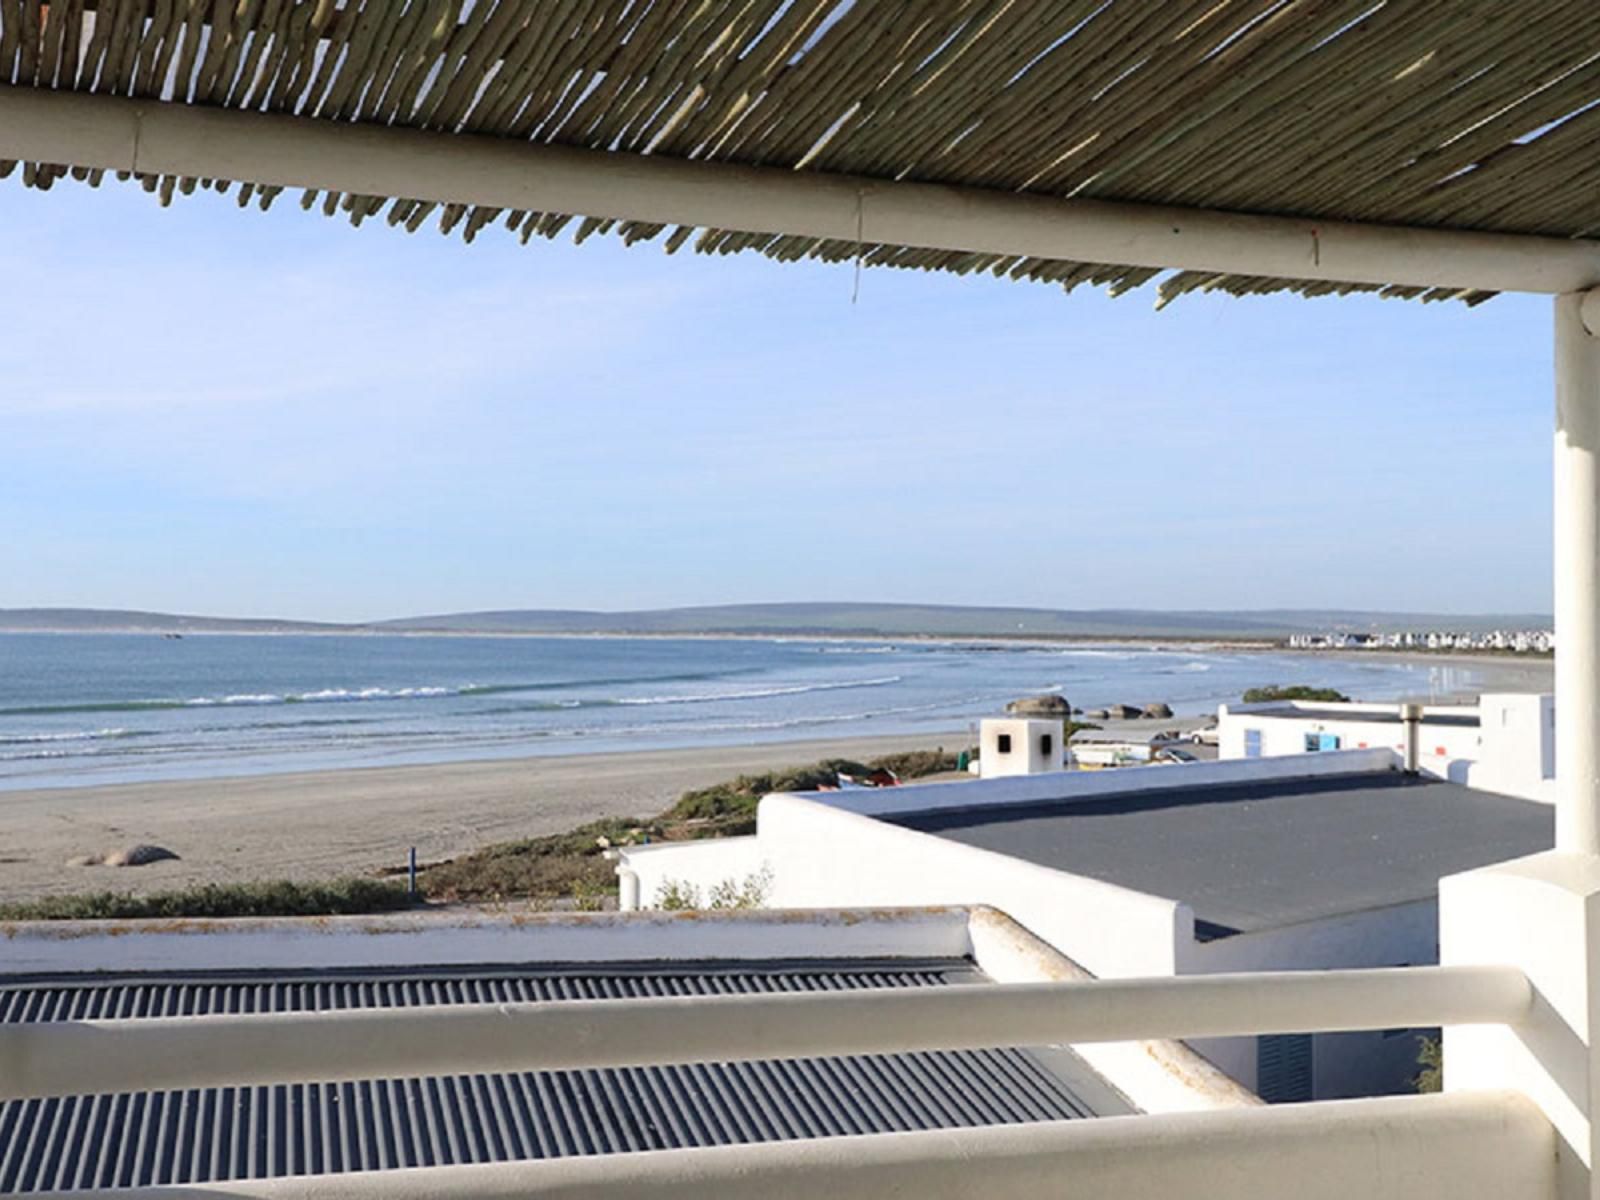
1003	743
1252	743
1316	742
1046	744
1283	1068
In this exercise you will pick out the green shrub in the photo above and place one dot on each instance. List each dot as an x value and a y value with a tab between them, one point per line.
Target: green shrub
739	797
1430	1057
560	864
573	865
279	898
1300	691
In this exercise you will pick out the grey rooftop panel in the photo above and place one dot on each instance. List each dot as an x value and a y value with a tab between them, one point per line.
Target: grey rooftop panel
1257	856
217	1134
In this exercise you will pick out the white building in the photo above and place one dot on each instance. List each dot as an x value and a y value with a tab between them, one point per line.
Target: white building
1504	743
1322	861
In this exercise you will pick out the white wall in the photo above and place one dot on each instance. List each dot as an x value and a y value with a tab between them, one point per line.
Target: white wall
1517	755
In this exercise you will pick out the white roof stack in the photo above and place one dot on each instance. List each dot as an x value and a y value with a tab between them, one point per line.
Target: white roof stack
1020	746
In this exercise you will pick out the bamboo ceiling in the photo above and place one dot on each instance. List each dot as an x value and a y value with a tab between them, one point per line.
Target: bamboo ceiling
1467	114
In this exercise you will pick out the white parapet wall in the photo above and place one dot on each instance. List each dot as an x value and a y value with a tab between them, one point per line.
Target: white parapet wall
1066	787
405	940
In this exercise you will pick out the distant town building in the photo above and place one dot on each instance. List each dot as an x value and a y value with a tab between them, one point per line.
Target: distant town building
1516	641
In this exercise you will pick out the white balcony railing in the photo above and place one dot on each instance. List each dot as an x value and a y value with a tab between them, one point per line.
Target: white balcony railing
1468	1145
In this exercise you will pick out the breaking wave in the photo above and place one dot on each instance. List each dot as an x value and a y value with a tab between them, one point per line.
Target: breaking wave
762	693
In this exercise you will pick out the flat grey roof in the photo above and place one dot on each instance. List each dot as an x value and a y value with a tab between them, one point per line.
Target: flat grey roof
1462	720
217	1134
1257	856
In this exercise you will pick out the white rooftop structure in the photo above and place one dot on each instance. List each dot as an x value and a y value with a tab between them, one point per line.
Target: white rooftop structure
1503	743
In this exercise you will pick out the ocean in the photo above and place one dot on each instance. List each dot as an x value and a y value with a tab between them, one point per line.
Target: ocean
83	709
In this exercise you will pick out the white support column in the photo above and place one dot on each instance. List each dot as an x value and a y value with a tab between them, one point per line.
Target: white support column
1577	572
1542	913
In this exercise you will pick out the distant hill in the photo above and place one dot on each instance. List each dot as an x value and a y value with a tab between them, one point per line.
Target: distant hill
950	620
829	619
110	620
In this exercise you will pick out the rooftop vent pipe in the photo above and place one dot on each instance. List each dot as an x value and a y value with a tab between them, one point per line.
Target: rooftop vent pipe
1411	725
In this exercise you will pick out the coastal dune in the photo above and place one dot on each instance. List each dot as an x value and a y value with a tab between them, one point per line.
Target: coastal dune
319	825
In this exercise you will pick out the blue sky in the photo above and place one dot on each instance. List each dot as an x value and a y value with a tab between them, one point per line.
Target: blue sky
227	412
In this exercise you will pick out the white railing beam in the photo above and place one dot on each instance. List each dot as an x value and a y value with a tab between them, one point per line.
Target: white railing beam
81	1057
167	138
1471	1146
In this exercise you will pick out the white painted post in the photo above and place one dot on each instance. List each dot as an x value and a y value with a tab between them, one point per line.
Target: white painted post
627	890
1542	913
1577	573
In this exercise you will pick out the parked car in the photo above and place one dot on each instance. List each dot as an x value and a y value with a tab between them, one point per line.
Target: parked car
1205	737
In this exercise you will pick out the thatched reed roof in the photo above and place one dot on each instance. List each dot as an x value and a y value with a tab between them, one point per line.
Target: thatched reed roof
1457	114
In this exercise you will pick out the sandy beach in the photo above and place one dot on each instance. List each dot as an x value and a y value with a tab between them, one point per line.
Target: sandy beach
323	824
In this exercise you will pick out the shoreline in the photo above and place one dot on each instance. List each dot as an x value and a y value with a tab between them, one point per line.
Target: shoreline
319	825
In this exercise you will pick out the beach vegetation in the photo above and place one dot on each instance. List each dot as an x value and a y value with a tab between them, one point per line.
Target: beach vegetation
1299	691
729	809
576	867
276	898
675	895
1430	1057
572	864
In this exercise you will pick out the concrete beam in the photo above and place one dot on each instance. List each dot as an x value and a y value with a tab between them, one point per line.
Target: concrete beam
80	1057
165	138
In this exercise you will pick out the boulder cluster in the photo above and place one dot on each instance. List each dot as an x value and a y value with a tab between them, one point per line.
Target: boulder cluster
1059	706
